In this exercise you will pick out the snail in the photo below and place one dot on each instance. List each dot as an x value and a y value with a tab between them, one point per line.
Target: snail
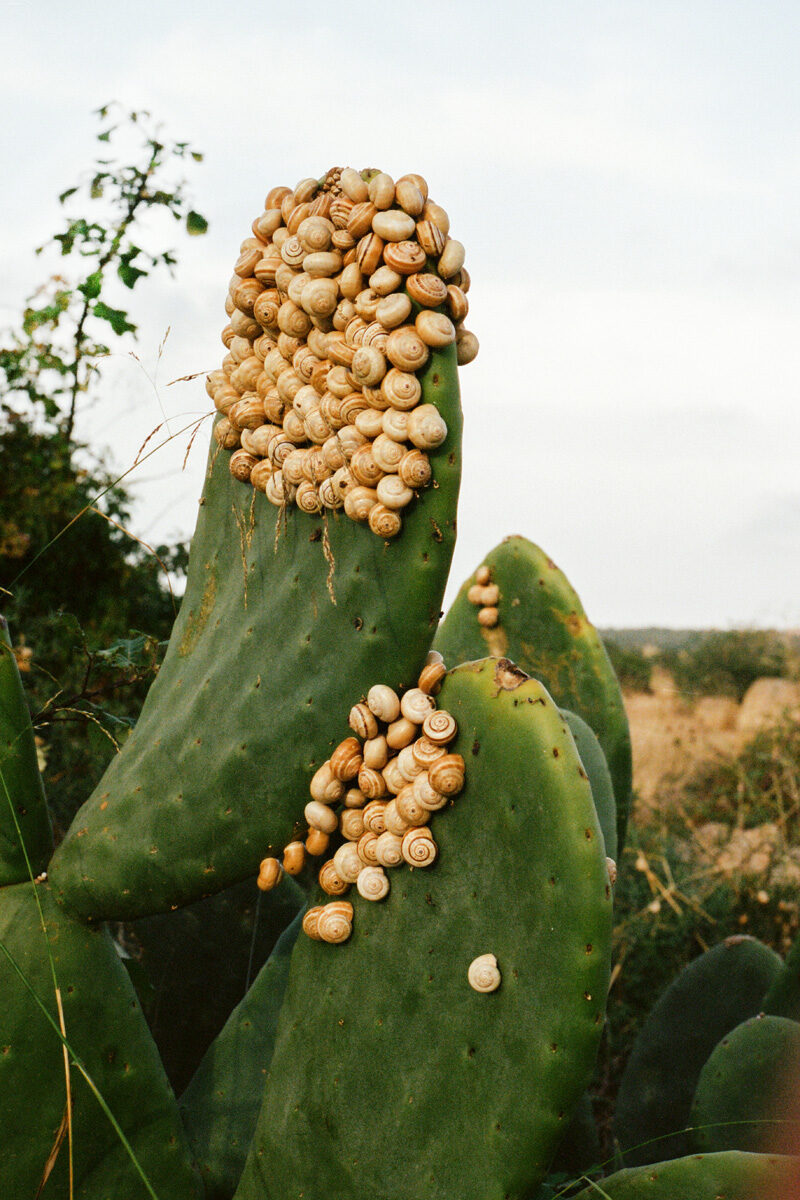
389	849
383	702
373	883
347	862
270	874
346	760
416	705
418	847
446	775
335	922
484	974
331	881
440	727
317	842
320	816
294	858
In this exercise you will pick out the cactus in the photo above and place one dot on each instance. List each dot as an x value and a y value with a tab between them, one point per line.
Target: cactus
221	1104
743	1088
390	1076
708	999
731	1175
26	840
541	626
783	996
215	774
596	767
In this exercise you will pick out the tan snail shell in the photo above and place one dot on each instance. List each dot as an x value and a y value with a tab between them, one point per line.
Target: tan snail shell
241	464
428	290
389	849
407	763
351	281
364	468
395	823
320	816
362	721
446	775
369	253
416	704
351	824
371	783
294	858
427	428
320	297
278	492
451	259
407	258
311	923
426	751
435	328
393	492
393	310
331	881
315	233
457	303
393	225
381	190
373	883
368	366
225	435
611	867
430	238
435	213
317	842
374	816
428	797
440	727
270	874
359	502
388	454
354	798
490	594
385	522
353	185
294	467
474	594
484	974
329	495
405	349
394	780
335	923
341	208
395	424
374	335
366	303
322	263
246	261
434	671
488	617
410	809
384	281
366	848
346	759
418	847
467	346
347	862
376	753
409	195
325	786
384	702
265	225
401	732
293	320
276	196
360	220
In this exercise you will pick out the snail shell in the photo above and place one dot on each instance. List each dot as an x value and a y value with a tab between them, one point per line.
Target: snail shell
369	253
351	281
332	451
401	732
359	502
410	809
428	290
418	847
244	297
329	495
331	881
360	220
407	764
432	674
241	464
269	874
436	214
366	848
393	225
278	491
368	366
426	751
341	208
354	798
335	922
366	303
384	702
246	261
246	326
440	727
346	759
294	858
317	429
294	467
225	435
311	923
427	428
393	310
490	594
321	817
375	335
384	281
276	196
409	196
320	298
324	786
363	467
488	617
373	883
430	238
435	328
416	704
484	974
395	424
342	241
388	454
381	190
307	498
407	258
347	862
389	849
428	797
261	474
265	225
405	349
466	346
304	399
376	753
353	185
446	775
342	482
385	522
393	492
374	819
351	824
371	783
451	259
295	217
293	320
392	777
315	233
395	823
457	303
611	866
317	842
338	382
401	389
362	721
322	263
292	253
474	594
418	181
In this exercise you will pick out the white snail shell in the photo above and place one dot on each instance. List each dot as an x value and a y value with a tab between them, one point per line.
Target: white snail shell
394	820
427	428
373	883
321	817
389	849
393	779
374	816
427	796
347	862
376	753
384	702
416	705
401	732
325	786
407	764
335	922
351	824
484	974
419	848
366	848
385	522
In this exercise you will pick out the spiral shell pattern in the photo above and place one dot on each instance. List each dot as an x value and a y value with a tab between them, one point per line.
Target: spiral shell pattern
335	922
418	847
484	974
373	883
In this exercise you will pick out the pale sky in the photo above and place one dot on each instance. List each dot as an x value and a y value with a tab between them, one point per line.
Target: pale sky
626	179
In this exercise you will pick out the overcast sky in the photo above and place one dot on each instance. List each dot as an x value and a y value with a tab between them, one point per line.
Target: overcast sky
626	179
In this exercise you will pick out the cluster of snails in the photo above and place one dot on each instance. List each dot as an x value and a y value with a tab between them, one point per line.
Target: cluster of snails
388	780
319	390
485	595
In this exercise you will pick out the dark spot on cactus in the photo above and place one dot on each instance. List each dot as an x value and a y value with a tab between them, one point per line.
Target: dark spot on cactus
553	880
70	988
588	834
198	741
451	458
587	995
435	377
556	751
374	629
425	556
471	1052
608	891
561	1115
315	535
429	898
476	746
6	1049
589	947
437	533
358	623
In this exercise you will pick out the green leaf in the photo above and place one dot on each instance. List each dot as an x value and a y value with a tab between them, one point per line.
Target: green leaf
197	156
117	319
92	285
195	223
129	274
66	195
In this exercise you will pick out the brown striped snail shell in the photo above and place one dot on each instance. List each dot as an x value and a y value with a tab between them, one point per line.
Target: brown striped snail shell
373	884
435	328
317	842
279	492
409	196
339	353
426	751
369	253
347	862
292	253
293	427
375	335
325	786
488	617
359	502
331	881
292	319
329	495
335	923
317	430
341	208
351	824
374	819
393	310
346	759
311	923
241	464
428	290
401	733
462	280
362	721
371	783
430	238
266	307
427	428
366	303
385	522
418	847
440	727
427	796
446	775
467	346
484	974
294	858
294	467
225	435
434	671
410	809
320	816
405	349
276	196
342	482
246	261
393	493
366	848
261	474
294	219
353	185
244	297
360	220
389	849
270	874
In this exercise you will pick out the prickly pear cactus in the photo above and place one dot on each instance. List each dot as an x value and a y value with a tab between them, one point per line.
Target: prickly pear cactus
709	998
742	1093
284	613
537	620
783	997
732	1175
221	1104
391	1076
108	1034
594	761
24	819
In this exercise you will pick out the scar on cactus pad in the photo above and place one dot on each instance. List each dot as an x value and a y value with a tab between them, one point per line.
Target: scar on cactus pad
297	608
347	287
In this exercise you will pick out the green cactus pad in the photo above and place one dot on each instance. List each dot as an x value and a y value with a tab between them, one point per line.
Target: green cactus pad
747	1079
107	1031
261	670
783	997
221	1104
23	809
709	998
391	1076
542	627
732	1175
594	761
